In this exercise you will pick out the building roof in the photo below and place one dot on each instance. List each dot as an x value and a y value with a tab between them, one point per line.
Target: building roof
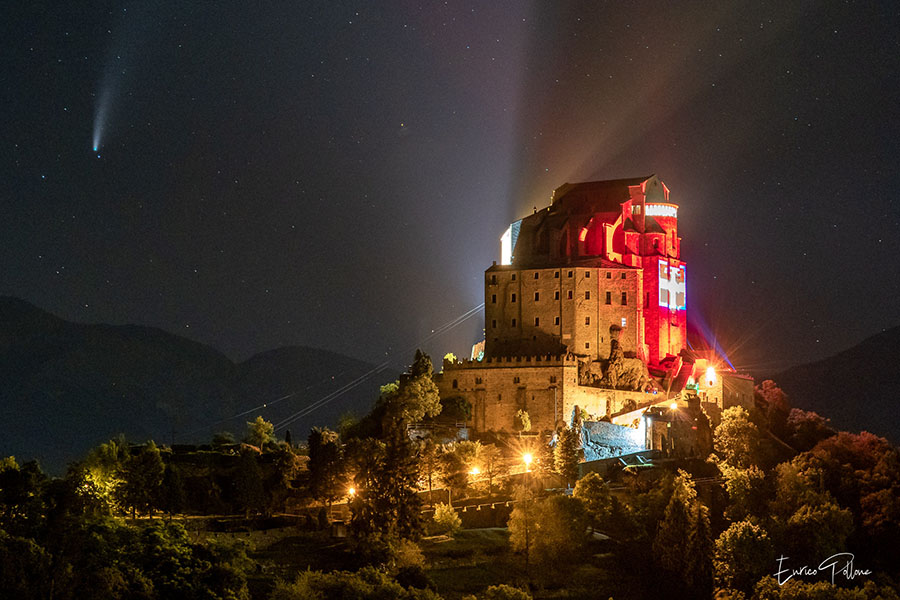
593	196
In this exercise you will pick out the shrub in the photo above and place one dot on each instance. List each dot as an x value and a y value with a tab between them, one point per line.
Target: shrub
446	520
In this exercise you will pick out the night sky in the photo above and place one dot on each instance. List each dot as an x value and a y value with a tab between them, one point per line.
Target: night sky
338	174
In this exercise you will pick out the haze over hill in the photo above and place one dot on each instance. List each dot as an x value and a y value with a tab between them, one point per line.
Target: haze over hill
856	389
65	387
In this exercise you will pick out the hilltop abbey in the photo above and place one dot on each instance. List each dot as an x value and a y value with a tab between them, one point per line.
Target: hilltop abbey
585	318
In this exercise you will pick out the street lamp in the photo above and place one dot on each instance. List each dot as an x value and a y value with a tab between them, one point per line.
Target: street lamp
351	491
527	458
673	406
475	471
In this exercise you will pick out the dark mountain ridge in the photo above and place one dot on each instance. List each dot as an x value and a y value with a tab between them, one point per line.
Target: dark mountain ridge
65	387
857	388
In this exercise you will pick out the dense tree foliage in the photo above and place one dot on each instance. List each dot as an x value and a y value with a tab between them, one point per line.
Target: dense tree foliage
260	432
566	455
327	477
736	439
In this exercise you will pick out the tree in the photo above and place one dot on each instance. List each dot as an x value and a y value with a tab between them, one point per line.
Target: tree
386	505
327	481
736	439
552	532
492	465
141	478
683	547
747	491
504	592
565	455
248	484
446	520
171	497
260	432
744	554
456	408
594	495
429	464
806	429
452	473
223	438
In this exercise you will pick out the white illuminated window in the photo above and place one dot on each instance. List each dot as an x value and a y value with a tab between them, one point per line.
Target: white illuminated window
624	321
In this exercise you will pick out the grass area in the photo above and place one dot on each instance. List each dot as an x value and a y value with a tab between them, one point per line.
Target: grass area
290	554
478	558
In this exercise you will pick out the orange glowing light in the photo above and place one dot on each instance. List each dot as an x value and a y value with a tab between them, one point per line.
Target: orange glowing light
351	492
526	458
673	406
710	376
475	471
583	235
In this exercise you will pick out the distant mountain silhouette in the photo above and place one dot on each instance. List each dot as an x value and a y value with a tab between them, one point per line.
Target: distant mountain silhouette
65	387
857	389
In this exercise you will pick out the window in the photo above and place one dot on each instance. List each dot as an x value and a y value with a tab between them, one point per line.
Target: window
556	274
587	274
537	296
536	274
493	298
455	384
513	298
587	345
493	323
587	295
570	273
556	320
624	298
553	379
493	279
516	380
609	274
624	321
587	320
556	295
609	297
513	276
513	322
478	381
570	294
623	275
537	321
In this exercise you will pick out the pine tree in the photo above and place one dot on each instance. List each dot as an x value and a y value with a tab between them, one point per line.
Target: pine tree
565	455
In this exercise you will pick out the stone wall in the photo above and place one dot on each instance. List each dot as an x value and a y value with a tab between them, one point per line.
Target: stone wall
551	310
544	386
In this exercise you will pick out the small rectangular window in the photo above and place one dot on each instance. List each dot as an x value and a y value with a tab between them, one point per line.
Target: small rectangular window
570	273
587	345
513	276
537	296
556	274
624	321
587	320
587	295
570	294
587	273
478	381
556	320
513	322
493	323
493	298
623	275
609	297
553	379
537	321
513	298
536	274
556	295
493	279
516	380
608	274
624	298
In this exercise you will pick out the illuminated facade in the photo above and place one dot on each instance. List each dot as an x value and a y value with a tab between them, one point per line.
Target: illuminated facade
604	256
585	314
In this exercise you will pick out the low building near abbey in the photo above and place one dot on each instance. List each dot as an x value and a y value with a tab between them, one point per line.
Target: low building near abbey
586	322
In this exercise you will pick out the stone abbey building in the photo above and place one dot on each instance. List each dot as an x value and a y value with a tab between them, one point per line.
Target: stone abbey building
586	308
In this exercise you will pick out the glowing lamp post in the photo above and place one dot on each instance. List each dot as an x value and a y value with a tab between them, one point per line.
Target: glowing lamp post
527	458
351	492
674	406
475	471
